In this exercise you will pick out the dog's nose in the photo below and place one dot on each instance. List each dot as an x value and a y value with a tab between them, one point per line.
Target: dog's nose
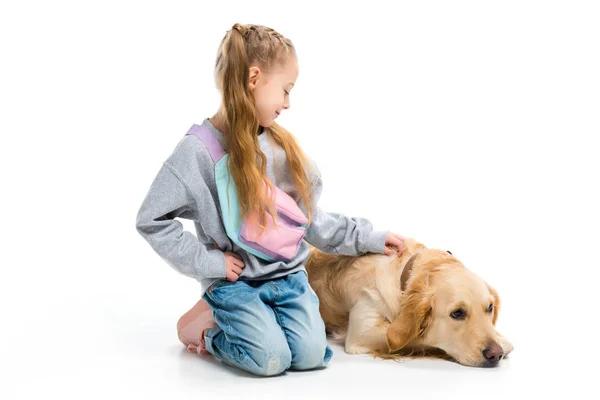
492	355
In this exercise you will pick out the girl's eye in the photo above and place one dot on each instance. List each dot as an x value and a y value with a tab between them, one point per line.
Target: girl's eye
490	308
287	93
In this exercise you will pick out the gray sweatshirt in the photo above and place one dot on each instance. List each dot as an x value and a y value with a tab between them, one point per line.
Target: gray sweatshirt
185	188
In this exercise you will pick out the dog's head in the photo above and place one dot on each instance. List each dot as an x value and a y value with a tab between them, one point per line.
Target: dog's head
447	307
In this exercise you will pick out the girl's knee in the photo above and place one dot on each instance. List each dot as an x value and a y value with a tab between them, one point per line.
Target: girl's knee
273	362
311	353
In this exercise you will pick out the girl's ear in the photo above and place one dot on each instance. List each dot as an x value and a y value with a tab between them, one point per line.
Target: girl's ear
254	75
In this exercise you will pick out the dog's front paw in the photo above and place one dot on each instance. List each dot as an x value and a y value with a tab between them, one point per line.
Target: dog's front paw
356	349
507	346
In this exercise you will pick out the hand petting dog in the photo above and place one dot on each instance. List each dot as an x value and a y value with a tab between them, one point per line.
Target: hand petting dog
394	244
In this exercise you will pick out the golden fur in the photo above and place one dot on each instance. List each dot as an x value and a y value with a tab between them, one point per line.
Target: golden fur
363	305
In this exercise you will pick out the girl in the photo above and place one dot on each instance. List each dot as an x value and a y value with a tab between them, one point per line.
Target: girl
257	315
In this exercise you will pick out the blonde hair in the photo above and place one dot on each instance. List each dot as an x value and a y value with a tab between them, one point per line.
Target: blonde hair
242	47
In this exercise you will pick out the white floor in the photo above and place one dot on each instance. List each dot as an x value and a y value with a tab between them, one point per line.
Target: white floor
111	334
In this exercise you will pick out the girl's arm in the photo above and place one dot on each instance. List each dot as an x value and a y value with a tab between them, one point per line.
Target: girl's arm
169	198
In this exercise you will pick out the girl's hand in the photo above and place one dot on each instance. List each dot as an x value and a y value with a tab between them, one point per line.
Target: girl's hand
395	240
233	265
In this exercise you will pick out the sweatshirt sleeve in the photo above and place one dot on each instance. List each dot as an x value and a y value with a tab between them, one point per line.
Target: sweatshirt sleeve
339	234
169	198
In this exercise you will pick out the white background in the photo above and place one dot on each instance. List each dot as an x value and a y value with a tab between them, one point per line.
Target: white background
471	126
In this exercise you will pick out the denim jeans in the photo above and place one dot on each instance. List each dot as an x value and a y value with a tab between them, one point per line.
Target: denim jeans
267	327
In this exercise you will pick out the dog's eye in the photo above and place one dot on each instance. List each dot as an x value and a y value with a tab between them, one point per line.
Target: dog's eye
490	308
458	314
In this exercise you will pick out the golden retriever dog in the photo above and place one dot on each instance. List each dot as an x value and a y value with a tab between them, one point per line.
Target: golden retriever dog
423	303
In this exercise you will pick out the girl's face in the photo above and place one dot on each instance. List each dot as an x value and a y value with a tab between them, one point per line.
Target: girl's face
272	90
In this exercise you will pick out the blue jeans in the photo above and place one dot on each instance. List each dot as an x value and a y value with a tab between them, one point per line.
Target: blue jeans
267	327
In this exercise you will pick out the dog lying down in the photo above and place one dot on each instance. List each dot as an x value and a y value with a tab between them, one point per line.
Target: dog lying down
423	303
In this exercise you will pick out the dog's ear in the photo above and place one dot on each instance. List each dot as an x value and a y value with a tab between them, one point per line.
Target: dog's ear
494	294
416	311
